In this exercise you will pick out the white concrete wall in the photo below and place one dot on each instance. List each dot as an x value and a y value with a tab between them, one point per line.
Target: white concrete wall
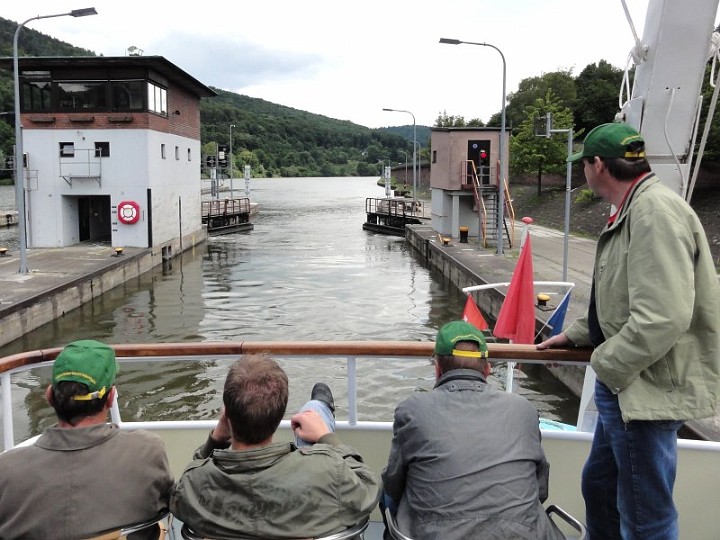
452	210
134	165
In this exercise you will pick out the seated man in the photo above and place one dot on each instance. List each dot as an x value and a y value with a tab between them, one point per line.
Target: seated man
466	460
243	483
83	476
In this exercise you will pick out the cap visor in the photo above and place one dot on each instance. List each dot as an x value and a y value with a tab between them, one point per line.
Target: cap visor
574	157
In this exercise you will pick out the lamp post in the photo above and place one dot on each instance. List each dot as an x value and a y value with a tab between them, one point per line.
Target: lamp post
230	172
414	145
503	164
545	129
406	161
19	164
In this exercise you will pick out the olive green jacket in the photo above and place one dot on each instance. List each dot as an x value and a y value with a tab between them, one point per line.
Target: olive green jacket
658	305
278	491
78	482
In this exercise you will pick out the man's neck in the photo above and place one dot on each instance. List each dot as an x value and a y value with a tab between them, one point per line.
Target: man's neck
242	447
620	189
94	420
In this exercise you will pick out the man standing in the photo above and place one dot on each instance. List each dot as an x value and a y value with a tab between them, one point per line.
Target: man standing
466	460
243	483
83	476
654	322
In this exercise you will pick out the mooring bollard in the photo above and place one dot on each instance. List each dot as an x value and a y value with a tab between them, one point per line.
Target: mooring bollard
118	252
3	251
464	235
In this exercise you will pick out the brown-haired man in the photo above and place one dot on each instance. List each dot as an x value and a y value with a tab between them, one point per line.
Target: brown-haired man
243	483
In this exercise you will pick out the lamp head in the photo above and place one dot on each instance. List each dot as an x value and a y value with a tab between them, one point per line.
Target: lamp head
448	41
84	12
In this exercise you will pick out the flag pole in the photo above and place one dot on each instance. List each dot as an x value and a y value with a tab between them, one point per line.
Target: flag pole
510	374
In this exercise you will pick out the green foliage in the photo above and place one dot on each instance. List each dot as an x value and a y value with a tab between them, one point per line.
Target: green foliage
598	86
287	142
443	120
421	132
529	90
530	153
586	196
712	146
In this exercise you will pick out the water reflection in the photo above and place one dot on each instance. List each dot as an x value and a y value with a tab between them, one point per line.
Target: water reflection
306	272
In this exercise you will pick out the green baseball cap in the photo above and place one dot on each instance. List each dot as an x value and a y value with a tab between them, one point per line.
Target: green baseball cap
610	141
456	331
89	362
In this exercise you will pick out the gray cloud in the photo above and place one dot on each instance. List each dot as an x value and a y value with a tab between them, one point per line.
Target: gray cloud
228	63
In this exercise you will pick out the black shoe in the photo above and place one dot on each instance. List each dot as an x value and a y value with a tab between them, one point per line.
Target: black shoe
322	392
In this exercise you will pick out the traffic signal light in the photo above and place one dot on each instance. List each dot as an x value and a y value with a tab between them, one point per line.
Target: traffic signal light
223	155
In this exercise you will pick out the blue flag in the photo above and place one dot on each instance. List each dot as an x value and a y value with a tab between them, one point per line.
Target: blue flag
557	319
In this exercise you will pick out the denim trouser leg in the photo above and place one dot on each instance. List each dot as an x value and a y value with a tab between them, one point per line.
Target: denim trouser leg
629	475
324	411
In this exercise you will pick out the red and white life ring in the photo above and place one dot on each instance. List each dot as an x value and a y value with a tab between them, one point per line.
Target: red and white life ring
128	212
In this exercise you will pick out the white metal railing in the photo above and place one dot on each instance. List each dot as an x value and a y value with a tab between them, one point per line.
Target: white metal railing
350	351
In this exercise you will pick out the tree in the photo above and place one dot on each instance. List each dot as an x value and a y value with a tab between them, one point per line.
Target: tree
529	152
598	87
443	120
560	82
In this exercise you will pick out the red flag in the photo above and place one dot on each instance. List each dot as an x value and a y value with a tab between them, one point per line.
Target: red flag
516	320
472	314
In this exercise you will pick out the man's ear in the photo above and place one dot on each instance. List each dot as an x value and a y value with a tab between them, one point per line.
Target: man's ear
486	369
438	372
49	395
112	394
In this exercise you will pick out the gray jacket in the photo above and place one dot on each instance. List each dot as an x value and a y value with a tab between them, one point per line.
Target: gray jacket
277	491
74	483
466	462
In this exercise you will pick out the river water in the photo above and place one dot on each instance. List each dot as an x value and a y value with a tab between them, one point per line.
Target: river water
306	272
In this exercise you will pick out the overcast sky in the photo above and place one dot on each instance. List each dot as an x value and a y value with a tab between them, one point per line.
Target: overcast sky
349	60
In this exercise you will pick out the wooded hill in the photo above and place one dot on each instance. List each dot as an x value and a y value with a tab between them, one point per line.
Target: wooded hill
275	140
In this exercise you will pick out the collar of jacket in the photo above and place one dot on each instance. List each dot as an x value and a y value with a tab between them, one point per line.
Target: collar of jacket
73	439
460	375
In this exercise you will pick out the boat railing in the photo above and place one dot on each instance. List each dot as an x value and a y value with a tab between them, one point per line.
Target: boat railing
224	207
397	207
352	351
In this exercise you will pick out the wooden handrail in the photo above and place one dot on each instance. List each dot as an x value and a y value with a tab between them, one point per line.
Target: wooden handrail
497	351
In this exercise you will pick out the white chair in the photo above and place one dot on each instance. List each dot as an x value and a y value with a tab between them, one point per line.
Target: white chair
575	524
551	510
352	533
162	522
395	533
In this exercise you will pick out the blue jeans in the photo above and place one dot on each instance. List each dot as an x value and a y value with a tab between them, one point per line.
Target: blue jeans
325	413
628	479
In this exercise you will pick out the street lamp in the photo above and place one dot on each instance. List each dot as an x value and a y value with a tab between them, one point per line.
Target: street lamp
19	164
406	161
544	129
414	145
230	172
503	164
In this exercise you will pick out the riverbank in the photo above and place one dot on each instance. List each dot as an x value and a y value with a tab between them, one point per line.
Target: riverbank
588	214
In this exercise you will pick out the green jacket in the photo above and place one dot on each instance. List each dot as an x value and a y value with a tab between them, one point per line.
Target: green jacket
278	491
658	305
